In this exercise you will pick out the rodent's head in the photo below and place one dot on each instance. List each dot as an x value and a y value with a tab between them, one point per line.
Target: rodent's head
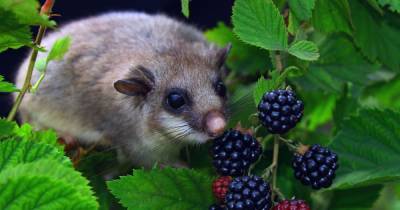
182	93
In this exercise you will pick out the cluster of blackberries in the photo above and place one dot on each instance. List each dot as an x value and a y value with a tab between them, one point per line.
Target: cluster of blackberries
316	167
280	110
246	193
234	152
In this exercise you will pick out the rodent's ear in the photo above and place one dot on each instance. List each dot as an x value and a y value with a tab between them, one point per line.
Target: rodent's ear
141	82
222	55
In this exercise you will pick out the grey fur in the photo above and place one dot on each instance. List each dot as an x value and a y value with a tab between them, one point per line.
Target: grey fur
77	97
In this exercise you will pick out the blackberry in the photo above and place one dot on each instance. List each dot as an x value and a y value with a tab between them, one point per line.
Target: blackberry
220	187
248	193
234	152
216	207
316	167
280	110
292	205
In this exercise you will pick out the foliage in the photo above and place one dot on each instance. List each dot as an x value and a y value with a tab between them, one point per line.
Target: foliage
165	188
35	174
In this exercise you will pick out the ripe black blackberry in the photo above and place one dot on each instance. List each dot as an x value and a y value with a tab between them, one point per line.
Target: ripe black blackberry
292	205
248	193
234	152
316	167
216	207
280	110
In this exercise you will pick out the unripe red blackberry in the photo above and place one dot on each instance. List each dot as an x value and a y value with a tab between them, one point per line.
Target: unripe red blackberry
292	205
280	110
234	152
317	167
220	187
248	193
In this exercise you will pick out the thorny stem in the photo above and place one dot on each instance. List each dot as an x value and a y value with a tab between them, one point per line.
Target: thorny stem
46	10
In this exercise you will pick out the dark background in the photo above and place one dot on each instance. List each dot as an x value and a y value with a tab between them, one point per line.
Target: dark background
203	13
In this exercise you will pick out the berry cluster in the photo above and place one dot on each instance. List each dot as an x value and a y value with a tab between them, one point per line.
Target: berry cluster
316	167
234	152
292	205
248	192
280	111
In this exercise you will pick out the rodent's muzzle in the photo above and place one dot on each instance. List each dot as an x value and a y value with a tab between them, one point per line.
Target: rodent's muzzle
215	123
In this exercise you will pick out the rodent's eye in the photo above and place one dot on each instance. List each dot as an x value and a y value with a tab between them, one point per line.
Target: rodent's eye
220	88
175	100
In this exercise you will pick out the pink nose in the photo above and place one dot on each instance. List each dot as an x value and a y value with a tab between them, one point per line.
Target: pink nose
215	123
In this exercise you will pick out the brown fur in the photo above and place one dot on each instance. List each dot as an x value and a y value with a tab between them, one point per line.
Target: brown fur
77	96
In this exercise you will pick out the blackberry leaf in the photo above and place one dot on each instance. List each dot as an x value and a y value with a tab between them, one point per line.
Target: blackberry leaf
258	22
165	188
14	152
44	184
369	149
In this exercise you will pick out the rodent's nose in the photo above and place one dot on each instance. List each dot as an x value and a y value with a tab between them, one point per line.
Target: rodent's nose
215	123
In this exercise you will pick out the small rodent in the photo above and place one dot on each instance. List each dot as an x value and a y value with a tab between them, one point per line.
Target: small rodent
146	84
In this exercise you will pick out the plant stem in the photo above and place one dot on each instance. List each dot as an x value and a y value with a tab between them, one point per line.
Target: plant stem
275	159
46	9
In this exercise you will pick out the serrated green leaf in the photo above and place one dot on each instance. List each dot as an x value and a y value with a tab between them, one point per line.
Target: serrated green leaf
394	5
7	87
258	22
243	58
26	132
305	50
317	112
44	184
384	94
185	8
339	63
368	147
16	18
355	199
294	23
26	12
376	36
332	16
302	9
6	128
14	152
374	4
165	188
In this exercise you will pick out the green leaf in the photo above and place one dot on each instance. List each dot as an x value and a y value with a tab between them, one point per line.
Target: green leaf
44	184
185	8
394	5
317	112
339	63
368	147
17	16
263	85
26	12
332	16
14	152
355	199
377	36
7	87
243	58
165	188
26	132
374	4
57	52
302	9
6	128
384	94
59	48
258	22
305	50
